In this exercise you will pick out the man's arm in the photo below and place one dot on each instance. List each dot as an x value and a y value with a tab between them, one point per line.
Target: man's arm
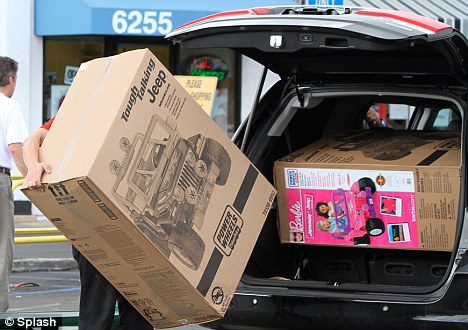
35	169
16	152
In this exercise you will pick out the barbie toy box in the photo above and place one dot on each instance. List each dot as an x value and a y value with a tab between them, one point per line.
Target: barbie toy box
370	189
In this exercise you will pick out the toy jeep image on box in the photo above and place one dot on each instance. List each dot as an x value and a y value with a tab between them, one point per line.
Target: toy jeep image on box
355	214
387	145
166	183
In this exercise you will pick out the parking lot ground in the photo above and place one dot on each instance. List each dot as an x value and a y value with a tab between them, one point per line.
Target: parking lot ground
45	291
49	294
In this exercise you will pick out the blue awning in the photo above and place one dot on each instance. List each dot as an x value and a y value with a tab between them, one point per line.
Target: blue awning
129	17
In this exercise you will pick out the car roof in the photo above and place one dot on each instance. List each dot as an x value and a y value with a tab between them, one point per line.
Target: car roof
324	42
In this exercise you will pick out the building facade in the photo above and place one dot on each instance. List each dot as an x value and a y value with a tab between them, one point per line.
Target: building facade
51	38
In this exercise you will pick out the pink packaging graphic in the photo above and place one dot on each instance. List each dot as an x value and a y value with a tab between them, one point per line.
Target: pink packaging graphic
351	207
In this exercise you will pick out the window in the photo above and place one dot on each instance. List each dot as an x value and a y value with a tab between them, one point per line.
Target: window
62	57
220	63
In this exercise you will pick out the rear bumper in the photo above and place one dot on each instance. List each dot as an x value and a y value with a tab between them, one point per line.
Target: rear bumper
280	311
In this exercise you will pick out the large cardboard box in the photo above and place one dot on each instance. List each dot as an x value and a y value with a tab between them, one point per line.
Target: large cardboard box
385	189
151	191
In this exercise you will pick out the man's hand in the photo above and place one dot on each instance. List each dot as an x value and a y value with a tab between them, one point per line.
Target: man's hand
373	118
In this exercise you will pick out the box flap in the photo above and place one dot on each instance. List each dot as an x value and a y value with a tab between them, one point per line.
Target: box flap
382	147
72	144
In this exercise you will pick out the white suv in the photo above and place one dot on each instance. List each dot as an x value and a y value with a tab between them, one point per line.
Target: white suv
333	63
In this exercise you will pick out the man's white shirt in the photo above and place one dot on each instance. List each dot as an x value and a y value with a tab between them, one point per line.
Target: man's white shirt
12	128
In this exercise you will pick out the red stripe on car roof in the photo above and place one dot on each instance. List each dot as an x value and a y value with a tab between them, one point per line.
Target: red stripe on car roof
418	20
252	11
209	17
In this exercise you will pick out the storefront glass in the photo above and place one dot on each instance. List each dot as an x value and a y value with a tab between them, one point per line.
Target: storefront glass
63	56
220	63
162	52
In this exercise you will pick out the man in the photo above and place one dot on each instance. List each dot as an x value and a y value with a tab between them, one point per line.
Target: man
97	297
12	133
